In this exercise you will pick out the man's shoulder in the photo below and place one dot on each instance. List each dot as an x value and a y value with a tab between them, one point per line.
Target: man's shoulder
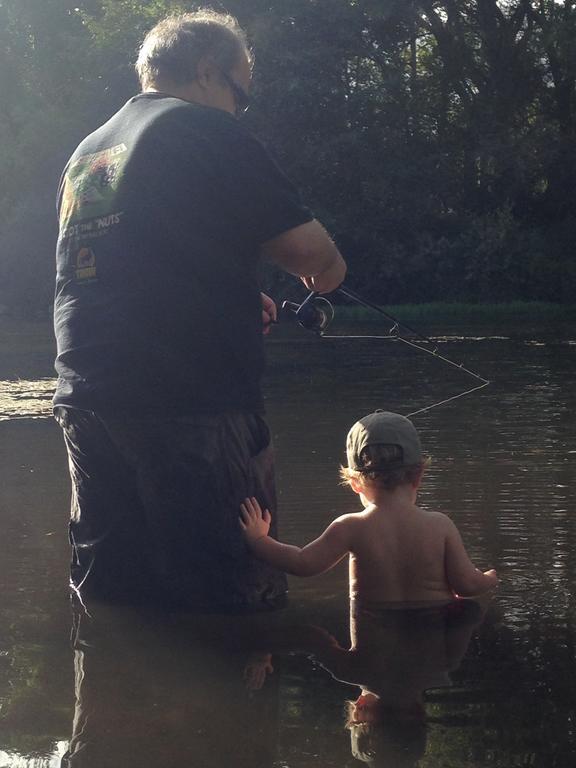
166	123
185	113
152	111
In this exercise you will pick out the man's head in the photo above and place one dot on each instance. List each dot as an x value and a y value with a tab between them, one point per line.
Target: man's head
383	448
202	57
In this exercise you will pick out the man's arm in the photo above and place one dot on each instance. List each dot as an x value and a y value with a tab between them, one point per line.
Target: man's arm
318	556
463	577
308	252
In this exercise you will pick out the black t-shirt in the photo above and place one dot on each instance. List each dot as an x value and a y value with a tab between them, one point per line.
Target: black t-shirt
162	211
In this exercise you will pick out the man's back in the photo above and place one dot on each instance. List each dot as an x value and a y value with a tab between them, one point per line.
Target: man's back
162	213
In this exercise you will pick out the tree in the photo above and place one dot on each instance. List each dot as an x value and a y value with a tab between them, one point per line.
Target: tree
434	138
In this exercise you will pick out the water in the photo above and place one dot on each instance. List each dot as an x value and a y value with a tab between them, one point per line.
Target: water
146	690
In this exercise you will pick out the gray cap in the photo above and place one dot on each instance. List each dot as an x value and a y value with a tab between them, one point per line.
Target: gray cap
383	428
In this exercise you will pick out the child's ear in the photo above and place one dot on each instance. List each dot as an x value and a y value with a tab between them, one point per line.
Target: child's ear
356	485
418	479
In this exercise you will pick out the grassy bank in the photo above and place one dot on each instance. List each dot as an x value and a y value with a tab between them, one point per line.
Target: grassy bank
36	335
522	311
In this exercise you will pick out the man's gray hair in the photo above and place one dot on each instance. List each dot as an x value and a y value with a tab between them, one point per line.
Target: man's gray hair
171	51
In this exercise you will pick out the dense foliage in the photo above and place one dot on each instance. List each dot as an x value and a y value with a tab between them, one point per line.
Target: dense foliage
435	139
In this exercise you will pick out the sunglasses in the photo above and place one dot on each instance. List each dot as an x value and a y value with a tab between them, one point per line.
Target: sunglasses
241	98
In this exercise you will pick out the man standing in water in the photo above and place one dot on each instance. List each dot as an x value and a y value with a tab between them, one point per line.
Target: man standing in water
165	212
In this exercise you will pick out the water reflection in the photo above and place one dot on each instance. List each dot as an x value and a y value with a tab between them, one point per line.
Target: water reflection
395	657
158	690
155	691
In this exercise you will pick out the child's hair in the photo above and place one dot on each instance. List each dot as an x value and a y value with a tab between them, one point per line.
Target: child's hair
382	465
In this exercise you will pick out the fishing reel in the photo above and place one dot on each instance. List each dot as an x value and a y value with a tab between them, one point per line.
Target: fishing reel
315	313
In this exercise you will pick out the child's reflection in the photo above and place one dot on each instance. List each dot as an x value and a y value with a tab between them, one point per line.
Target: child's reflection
396	655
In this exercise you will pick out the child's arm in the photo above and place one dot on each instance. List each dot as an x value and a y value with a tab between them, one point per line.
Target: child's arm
464	579
318	556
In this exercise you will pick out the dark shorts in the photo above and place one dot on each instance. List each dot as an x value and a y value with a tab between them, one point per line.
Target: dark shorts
155	505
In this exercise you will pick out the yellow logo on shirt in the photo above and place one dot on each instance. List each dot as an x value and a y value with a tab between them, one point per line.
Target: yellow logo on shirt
85	264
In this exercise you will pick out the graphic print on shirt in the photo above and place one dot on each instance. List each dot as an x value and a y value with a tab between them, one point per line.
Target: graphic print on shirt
91	184
88	205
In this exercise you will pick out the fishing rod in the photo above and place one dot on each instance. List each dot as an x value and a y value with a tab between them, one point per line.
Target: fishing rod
316	313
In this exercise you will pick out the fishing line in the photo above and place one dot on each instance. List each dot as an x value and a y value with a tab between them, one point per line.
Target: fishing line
316	313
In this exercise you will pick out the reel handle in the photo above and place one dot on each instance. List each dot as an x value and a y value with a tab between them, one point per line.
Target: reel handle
315	313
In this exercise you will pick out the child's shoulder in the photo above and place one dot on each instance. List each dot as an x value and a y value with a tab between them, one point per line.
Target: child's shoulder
349	519
437	518
352	521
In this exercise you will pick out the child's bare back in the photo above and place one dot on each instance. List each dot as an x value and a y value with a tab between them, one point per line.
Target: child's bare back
399	553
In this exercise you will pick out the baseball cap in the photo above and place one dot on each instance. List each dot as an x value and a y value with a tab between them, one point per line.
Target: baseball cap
383	428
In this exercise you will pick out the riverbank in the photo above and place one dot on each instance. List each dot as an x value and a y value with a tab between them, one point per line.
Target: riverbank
24	340
437	311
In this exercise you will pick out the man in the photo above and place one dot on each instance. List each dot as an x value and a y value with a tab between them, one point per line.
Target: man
165	212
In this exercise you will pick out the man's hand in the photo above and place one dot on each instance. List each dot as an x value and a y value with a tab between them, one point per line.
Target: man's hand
253	521
269	313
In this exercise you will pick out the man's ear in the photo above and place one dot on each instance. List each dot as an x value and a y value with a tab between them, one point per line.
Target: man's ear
206	71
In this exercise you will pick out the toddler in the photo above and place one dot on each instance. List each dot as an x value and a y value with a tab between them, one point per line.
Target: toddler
399	553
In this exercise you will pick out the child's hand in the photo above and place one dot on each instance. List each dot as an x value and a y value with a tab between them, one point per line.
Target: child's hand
256	670
253	521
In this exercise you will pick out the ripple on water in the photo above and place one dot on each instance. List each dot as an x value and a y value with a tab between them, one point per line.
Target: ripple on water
26	399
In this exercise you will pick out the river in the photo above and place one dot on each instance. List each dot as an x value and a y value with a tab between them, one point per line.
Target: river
496	688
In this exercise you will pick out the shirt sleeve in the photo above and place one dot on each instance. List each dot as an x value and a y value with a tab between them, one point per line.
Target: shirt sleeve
251	187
